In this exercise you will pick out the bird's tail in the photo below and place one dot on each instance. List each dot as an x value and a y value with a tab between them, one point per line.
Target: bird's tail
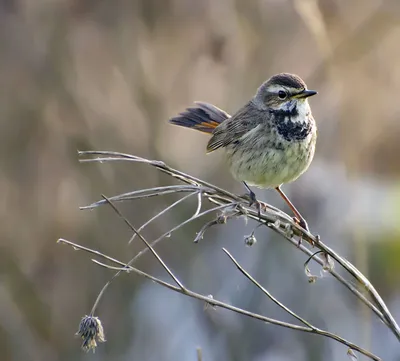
203	117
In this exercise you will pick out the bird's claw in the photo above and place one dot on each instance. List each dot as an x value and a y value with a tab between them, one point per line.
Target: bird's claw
252	198
254	201
302	223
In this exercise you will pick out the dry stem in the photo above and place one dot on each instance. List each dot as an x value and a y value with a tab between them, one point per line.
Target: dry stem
231	205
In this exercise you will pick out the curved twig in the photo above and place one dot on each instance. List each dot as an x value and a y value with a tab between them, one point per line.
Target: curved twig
215	302
232	205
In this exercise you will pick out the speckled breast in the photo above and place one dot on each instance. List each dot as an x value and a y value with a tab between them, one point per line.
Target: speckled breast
278	155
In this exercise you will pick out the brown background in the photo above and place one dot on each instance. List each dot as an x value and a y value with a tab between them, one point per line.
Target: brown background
107	75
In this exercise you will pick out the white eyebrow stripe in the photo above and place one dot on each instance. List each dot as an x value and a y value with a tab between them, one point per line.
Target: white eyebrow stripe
275	89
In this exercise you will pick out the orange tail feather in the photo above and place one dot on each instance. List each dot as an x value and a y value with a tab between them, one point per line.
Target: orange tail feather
204	117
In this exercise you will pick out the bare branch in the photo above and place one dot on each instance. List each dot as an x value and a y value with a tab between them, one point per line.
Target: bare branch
147	193
199	204
312	328
269	217
227	306
266	292
229	205
165	210
155	254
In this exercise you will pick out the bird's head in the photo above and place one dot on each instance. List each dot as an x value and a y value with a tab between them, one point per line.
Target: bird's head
283	92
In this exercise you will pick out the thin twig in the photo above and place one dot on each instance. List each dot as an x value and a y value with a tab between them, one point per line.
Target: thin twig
268	217
227	306
199	204
253	215
146	193
159	214
116	156
180	225
266	292
159	259
119	269
271	217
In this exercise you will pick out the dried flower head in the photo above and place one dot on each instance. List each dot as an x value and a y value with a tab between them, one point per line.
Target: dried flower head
250	239
90	330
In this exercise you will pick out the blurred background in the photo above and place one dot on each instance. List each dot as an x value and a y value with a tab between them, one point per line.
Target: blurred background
107	75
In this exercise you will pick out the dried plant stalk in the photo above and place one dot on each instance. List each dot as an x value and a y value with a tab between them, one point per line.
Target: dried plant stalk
228	205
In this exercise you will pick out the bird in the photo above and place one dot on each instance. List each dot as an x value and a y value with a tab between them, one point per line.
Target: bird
268	142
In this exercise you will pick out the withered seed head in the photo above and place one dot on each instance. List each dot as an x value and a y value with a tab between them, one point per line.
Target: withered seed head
90	330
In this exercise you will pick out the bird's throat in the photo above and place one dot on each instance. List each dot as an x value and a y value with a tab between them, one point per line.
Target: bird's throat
292	123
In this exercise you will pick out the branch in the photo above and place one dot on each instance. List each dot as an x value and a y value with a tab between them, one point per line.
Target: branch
273	218
215	302
159	259
268	294
226	206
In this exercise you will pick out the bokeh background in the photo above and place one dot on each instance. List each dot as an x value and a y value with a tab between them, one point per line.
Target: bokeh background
107	75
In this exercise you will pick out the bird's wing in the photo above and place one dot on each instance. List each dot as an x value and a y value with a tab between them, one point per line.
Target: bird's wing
232	129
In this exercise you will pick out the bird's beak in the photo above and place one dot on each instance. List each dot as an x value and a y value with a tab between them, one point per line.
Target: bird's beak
306	94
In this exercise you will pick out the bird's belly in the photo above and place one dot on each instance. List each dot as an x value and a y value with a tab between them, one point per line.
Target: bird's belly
269	167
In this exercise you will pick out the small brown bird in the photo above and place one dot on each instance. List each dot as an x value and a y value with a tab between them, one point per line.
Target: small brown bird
269	141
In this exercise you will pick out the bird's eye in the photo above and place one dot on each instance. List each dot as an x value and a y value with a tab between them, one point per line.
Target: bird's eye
282	94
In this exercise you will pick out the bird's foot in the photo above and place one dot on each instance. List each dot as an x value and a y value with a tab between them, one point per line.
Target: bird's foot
303	224
254	201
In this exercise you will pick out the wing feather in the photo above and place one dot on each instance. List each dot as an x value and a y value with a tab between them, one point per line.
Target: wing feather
232	129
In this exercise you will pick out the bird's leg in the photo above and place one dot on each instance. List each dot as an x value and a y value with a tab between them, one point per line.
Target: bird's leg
253	199
299	219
